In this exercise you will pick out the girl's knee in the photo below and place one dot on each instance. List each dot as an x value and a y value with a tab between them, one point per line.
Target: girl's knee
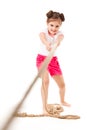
45	81
62	85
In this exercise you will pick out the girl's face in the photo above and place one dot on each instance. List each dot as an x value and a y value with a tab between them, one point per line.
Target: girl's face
53	26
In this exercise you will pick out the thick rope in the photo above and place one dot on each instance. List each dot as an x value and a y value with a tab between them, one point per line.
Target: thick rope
68	116
43	67
54	110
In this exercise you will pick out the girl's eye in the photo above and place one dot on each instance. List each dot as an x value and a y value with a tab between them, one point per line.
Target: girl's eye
57	26
51	25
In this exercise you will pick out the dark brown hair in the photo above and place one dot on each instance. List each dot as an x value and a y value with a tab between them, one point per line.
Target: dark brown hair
55	15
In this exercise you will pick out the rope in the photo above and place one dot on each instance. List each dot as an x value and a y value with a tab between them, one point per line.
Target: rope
53	110
69	116
43	67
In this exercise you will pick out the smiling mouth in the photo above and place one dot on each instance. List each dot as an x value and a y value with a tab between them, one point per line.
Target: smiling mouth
53	31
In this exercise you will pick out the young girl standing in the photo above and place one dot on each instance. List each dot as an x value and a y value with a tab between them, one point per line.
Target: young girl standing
48	37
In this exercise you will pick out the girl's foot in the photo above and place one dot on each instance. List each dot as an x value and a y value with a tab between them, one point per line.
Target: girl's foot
65	104
45	112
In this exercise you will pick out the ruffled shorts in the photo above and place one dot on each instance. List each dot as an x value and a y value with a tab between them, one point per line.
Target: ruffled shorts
53	67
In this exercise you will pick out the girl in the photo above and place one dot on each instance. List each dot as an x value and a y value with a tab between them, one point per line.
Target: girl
48	37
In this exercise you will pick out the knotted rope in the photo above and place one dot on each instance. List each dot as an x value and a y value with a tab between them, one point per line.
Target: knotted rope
54	110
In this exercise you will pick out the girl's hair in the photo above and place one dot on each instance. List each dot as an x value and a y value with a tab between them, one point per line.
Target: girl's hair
55	15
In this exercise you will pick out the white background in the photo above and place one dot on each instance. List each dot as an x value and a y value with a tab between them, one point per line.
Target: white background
20	22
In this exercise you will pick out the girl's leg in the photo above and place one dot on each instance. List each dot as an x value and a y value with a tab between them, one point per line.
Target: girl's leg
44	90
60	82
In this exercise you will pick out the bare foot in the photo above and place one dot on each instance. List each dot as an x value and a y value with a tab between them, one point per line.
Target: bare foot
45	112
65	104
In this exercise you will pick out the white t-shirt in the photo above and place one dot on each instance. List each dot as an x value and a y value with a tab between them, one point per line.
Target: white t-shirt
52	40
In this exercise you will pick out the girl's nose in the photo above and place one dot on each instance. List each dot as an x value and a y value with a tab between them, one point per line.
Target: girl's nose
54	29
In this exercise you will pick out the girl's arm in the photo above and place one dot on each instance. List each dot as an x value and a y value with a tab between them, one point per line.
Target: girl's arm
59	39
44	41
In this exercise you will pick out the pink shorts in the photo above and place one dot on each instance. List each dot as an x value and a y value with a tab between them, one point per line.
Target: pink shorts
53	67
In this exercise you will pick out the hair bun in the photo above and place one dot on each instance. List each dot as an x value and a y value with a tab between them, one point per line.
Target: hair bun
62	17
49	14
